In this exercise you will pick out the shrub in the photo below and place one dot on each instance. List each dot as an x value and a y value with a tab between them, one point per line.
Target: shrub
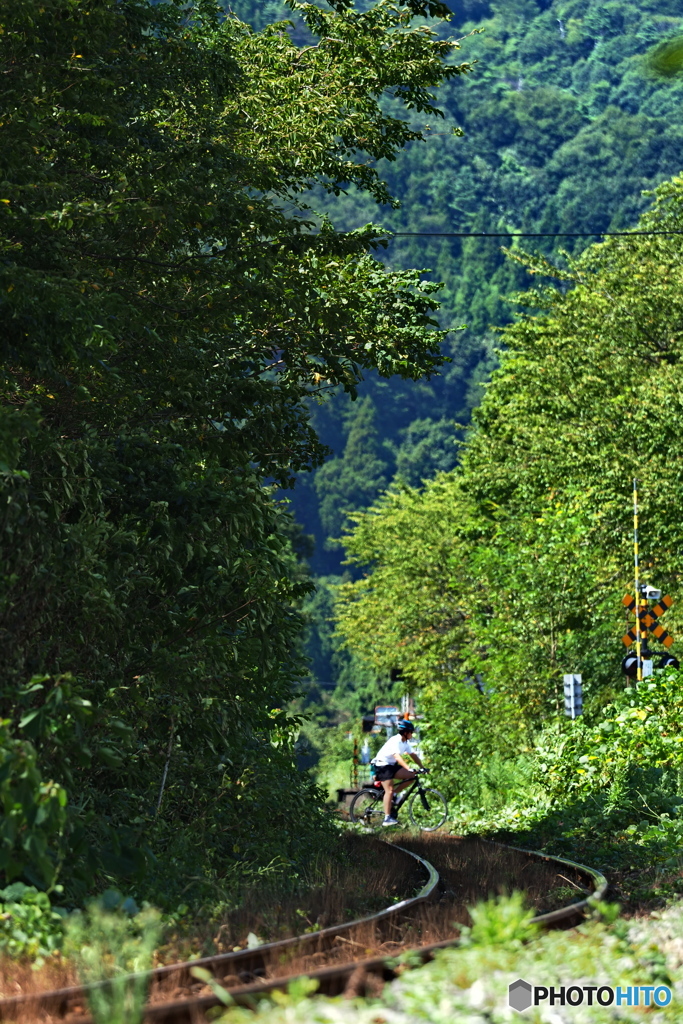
29	925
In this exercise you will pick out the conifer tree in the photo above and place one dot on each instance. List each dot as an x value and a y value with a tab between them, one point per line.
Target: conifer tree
357	478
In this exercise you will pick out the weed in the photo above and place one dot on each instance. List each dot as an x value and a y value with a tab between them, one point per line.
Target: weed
113	949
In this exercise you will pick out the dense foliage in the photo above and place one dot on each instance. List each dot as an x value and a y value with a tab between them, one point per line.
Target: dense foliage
166	311
510	571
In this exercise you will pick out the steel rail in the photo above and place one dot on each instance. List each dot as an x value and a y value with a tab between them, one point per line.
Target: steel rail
244	962
334	980
375	971
563	914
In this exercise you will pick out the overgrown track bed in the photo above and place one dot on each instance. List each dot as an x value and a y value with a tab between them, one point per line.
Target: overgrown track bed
472	869
357	883
352	958
286	957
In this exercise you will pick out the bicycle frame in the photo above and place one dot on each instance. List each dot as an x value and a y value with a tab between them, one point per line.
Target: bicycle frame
401	798
405	793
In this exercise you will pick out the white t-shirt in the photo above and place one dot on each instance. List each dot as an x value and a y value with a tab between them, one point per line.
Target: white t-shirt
387	753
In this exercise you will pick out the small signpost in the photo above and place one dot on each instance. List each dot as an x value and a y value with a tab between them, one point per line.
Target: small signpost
573	695
387	716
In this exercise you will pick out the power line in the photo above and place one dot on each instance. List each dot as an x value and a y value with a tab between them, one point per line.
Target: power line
523	234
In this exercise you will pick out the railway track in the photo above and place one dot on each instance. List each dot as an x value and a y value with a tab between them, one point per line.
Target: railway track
333	957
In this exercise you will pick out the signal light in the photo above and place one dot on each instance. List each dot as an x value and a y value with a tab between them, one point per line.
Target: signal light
668	661
629	666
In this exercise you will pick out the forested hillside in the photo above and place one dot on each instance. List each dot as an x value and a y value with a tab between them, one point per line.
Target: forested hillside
564	129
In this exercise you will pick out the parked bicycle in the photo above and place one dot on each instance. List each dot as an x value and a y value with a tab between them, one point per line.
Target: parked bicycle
427	807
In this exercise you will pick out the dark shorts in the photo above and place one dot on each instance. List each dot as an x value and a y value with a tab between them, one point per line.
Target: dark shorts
384	772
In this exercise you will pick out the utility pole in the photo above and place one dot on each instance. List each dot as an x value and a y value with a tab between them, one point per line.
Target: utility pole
408	706
636	573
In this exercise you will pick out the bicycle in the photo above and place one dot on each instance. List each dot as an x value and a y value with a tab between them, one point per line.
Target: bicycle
427	808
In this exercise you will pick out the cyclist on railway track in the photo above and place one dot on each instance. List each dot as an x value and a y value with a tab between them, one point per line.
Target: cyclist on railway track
390	764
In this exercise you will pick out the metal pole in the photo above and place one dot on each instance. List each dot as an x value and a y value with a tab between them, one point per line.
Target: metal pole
636	568
168	761
354	774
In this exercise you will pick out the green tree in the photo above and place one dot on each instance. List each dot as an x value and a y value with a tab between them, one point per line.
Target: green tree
428	448
167	311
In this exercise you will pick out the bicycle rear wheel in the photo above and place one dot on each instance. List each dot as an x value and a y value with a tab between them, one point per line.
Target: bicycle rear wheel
427	809
366	808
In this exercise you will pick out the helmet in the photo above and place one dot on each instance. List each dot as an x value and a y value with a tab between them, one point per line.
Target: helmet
405	726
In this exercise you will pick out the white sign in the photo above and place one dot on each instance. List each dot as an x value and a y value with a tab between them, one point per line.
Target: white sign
387	715
573	695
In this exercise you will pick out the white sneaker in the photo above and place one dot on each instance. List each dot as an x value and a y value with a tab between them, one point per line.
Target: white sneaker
390	821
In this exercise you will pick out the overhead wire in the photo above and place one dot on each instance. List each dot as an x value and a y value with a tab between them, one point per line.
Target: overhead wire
523	234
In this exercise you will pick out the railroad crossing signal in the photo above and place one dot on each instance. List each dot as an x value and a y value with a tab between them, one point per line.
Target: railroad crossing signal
649	620
640	666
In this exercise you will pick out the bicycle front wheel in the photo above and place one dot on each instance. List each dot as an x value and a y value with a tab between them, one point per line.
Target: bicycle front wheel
427	809
366	809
